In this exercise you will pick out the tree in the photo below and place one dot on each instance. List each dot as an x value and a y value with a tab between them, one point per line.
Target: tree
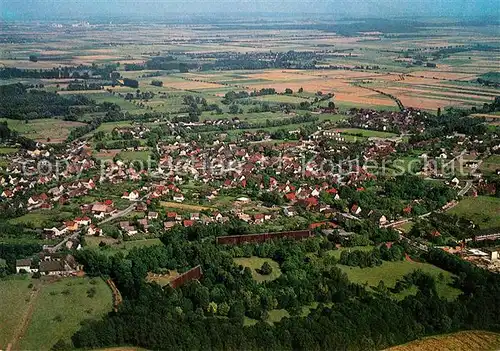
288	91
234	109
266	269
33	58
301	90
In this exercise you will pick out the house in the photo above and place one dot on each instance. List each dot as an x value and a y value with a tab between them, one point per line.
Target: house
93	230
188	223
178	197
290	197
83	221
99	210
169	225
289	212
258	218
132	196
7	193
144	224
25	265
153	215
173	216
54	232
382	220
195	216
127	228
71	226
355	209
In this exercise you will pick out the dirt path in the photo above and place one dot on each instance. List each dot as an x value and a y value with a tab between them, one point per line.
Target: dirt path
23	325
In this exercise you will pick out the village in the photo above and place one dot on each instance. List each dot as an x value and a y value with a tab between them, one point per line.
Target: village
295	184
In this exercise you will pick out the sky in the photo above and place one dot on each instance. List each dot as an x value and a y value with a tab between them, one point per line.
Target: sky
81	9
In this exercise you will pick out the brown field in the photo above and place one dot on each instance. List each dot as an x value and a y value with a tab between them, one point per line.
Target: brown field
461	341
444	75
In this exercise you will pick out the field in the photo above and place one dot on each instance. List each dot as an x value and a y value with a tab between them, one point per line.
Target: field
114	245
254	263
180	206
484	211
60	309
51	310
39	218
47	130
14	302
390	272
462	341
132	156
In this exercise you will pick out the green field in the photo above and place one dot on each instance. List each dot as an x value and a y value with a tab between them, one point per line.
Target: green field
484	211
390	272
14	302
254	263
44	129
61	307
114	245
366	133
8	150
129	156
40	218
281	99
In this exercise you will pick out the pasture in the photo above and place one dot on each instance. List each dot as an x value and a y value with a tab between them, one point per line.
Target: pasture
60	308
484	211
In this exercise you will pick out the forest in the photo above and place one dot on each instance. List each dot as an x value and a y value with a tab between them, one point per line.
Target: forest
210	313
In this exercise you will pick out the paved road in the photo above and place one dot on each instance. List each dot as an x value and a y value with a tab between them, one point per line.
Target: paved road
468	185
125	211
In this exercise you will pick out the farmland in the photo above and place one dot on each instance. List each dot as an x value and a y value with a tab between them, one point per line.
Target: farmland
461	341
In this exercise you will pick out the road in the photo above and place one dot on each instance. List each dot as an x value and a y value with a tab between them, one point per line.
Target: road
125	211
468	185
58	246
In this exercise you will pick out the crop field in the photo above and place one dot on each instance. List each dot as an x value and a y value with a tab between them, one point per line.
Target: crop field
473	340
254	263
390	272
484	211
47	130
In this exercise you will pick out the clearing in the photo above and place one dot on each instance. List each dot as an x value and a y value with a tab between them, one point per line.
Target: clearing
254	263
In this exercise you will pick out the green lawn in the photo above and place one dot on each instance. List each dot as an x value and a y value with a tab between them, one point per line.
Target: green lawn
254	263
281	98
482	210
14	297
56	130
390	272
336	253
61	307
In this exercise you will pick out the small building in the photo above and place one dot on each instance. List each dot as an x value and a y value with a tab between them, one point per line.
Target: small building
25	265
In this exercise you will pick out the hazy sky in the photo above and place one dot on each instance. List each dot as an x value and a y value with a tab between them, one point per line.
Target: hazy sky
50	9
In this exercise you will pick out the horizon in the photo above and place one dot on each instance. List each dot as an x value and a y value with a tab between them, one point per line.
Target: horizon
16	10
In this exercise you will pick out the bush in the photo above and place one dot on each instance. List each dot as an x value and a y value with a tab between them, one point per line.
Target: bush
266	269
